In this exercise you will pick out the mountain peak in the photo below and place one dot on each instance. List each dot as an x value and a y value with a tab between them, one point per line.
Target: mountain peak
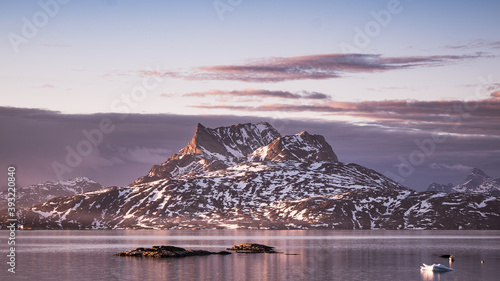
230	143
38	193
476	182
478	172
214	149
202	140
223	147
437	187
82	179
199	129
299	147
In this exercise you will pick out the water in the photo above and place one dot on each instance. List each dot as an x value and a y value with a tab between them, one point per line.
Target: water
319	255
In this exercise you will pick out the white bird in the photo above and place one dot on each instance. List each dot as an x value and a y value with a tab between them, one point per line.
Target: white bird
436	268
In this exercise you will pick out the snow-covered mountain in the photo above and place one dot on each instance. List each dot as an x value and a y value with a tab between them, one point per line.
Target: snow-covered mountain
213	149
248	176
477	182
270	195
35	194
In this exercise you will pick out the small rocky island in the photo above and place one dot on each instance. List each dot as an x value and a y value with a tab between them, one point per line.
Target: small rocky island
252	248
168	252
177	252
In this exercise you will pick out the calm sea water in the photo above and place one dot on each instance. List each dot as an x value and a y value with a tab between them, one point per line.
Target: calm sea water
317	255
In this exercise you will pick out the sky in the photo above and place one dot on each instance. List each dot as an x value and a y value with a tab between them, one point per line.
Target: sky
408	88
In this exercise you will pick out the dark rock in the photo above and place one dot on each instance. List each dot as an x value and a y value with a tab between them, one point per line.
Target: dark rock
445	256
168	248
168	252
450	257
224	253
252	248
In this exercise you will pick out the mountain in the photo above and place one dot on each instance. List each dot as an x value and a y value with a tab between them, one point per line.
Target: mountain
477	182
249	177
35	194
215	196
438	187
213	149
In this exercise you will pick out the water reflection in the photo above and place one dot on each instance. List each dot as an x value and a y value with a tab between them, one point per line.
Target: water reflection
428	275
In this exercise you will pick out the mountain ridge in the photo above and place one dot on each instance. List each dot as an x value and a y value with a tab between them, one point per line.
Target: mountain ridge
27	196
477	181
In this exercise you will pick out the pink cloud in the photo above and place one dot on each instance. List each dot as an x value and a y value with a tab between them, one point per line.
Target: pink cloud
475	44
323	66
259	93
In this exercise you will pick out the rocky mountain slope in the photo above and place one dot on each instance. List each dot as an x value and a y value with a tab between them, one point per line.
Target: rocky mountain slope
38	193
477	182
248	176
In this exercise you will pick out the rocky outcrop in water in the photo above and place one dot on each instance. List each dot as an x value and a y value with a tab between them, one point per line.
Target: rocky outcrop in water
252	248
168	252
